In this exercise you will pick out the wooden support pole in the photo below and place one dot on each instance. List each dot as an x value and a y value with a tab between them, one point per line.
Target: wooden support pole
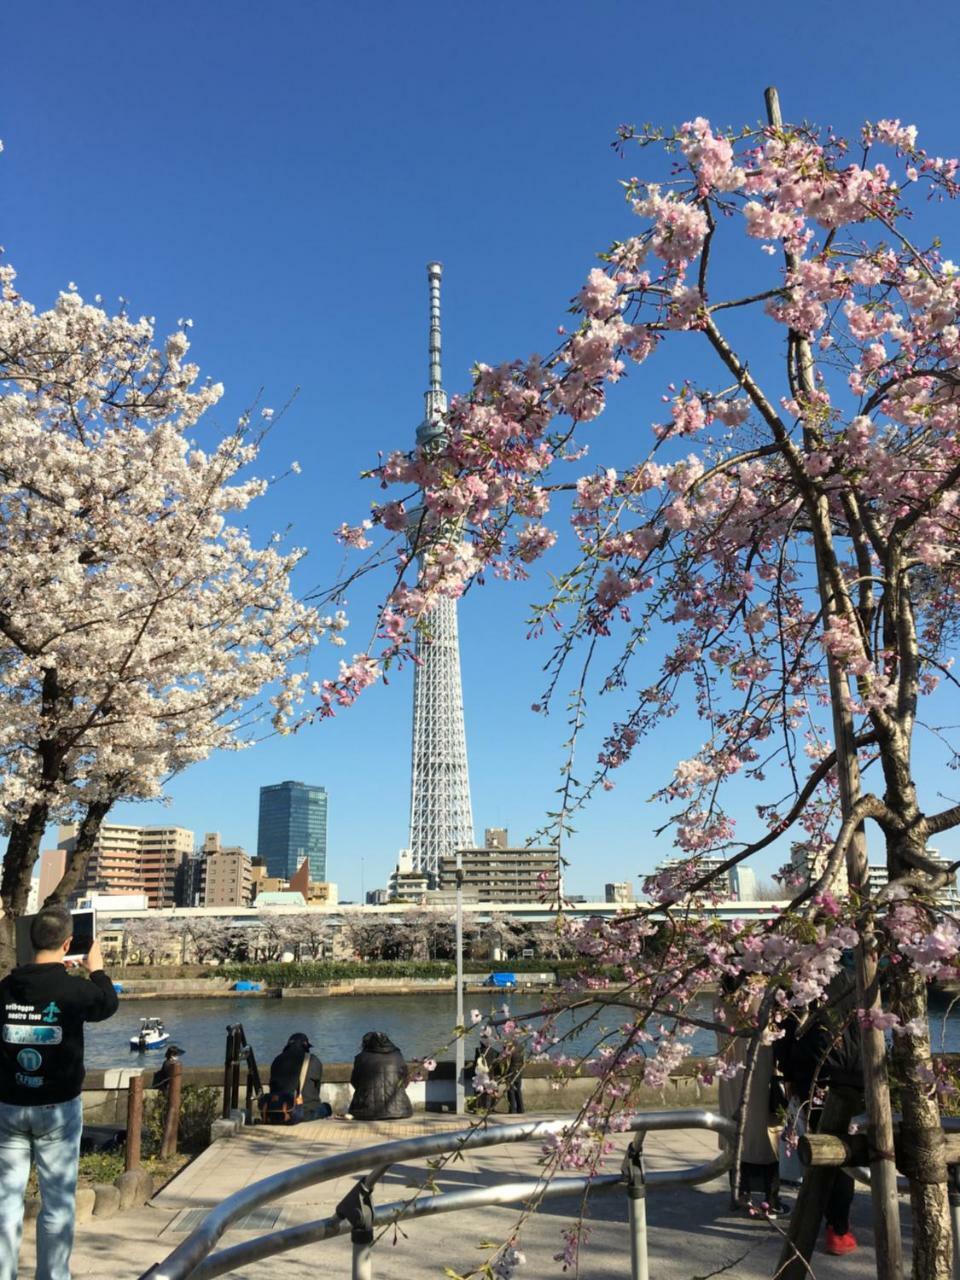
131	1155
172	1121
826	1150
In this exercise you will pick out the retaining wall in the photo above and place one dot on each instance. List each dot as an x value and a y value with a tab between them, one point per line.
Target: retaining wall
105	1092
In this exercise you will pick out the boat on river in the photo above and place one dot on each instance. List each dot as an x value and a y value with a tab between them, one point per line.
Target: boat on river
151	1035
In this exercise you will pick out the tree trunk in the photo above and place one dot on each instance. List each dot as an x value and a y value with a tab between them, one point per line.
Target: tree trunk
23	848
883	1178
80	854
921	1132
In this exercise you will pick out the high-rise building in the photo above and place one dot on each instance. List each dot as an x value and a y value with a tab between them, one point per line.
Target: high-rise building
689	870
807	865
293	826
227	879
132	859
441	817
948	896
496	838
190	881
744	880
618	891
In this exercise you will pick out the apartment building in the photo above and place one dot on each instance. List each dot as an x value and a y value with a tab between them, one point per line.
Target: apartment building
133	859
227	878
501	873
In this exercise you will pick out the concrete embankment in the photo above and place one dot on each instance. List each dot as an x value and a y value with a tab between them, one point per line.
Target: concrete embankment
204	988
185	989
474	984
105	1092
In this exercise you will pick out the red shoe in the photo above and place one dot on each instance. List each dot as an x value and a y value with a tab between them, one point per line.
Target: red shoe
839	1243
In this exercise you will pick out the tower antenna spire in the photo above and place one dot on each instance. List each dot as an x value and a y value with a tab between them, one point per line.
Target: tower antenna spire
435	399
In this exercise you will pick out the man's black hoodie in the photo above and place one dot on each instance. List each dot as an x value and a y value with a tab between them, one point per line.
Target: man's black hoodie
42	1012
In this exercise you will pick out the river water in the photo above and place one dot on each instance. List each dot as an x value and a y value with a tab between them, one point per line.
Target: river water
421	1025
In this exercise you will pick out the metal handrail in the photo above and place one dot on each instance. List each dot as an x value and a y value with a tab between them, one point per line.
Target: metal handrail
188	1261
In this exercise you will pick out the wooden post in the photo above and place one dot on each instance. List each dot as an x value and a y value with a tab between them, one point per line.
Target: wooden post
131	1156
228	1071
883	1173
172	1122
235	1080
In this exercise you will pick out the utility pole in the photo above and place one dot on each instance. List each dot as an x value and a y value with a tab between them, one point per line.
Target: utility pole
460	1091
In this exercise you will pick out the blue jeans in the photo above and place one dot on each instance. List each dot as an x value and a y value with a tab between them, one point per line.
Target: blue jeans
51	1137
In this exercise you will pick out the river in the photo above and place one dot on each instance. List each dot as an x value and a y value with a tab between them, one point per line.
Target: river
419	1024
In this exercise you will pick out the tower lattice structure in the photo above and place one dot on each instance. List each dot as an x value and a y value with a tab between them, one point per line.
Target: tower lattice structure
441	816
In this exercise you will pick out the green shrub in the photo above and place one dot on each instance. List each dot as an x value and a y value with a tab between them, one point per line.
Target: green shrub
200	1105
320	972
100	1166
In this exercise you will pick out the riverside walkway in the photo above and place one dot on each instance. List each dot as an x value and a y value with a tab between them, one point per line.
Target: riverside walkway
691	1231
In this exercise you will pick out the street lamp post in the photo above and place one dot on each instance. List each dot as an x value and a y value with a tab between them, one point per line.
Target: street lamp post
460	1093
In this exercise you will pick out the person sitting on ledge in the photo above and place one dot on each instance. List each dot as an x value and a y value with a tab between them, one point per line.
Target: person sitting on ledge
298	1072
378	1079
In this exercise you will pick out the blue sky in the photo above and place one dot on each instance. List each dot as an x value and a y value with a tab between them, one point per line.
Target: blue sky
282	174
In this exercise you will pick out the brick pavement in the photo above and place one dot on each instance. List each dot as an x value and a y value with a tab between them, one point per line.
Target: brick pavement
692	1234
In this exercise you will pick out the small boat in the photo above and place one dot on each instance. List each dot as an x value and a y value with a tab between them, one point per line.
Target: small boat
150	1036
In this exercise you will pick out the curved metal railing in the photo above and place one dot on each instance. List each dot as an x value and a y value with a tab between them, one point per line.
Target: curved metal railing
194	1259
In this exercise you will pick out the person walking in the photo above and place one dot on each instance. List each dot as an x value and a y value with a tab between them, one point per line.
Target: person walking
42	1011
509	1069
759	1157
826	1051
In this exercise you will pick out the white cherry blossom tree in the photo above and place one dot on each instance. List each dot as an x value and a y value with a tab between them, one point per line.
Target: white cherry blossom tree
140	626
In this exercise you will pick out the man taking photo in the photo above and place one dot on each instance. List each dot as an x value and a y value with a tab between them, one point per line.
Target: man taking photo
42	1012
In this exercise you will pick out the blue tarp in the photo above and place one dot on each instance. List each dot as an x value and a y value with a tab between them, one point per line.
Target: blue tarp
502	980
246	985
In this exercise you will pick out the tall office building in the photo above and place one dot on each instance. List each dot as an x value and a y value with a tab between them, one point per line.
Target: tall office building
441	817
293	826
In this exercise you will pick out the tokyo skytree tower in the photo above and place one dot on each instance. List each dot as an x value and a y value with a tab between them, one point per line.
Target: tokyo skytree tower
441	818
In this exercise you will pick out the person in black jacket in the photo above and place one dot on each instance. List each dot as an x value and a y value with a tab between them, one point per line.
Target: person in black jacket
378	1079
286	1071
161	1078
42	1011
827	1051
508	1071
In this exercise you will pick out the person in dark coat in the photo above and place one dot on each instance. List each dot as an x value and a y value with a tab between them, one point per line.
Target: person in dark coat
286	1068
511	1070
827	1052
161	1078
378	1079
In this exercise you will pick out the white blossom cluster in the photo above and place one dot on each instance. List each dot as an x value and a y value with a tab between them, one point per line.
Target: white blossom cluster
138	623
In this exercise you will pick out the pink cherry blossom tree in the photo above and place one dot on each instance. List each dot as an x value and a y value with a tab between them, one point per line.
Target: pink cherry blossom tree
140	627
792	519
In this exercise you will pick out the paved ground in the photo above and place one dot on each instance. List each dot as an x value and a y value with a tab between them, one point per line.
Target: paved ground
692	1233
